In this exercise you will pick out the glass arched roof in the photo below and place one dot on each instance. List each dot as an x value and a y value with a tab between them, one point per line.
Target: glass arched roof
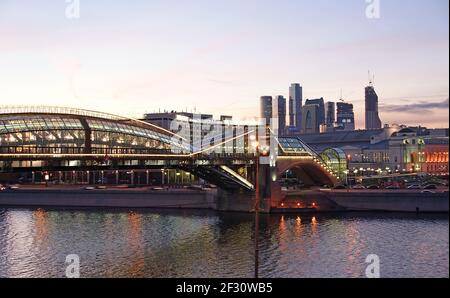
25	119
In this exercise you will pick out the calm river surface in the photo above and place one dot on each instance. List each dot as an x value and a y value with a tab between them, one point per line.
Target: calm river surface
35	243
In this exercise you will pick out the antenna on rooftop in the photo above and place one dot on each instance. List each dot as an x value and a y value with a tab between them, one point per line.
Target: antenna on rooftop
340	98
371	79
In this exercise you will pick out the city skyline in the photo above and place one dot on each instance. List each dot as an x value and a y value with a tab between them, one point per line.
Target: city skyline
135	55
225	146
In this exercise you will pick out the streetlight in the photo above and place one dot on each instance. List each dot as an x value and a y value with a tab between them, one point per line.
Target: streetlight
255	145
354	176
47	178
346	172
264	151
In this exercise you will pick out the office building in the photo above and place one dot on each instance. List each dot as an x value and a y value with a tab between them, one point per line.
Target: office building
310	119
279	113
330	113
345	116
295	107
321	109
202	130
371	100
265	108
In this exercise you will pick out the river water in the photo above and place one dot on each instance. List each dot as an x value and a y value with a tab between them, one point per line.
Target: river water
138	243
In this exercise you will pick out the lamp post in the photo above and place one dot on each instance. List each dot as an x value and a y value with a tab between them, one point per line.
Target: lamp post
354	176
257	202
265	151
47	178
255	145
346	172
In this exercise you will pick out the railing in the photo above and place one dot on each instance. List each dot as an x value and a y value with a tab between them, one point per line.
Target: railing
57	110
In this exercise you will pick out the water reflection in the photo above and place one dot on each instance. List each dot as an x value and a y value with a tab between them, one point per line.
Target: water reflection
136	246
140	243
40	222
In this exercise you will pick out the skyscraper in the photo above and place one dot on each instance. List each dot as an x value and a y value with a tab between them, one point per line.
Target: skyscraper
321	108
345	116
295	106
279	112
372	119
330	112
266	108
310	123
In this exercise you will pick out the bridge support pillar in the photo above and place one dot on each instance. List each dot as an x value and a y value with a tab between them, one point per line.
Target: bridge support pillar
276	196
234	201
244	201
265	187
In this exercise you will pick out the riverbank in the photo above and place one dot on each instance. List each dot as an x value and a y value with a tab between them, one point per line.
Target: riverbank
319	200
368	200
114	197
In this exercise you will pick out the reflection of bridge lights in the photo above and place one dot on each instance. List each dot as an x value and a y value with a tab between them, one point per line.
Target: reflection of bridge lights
314	220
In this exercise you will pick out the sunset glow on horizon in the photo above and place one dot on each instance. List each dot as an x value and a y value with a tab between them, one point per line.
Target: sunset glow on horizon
132	57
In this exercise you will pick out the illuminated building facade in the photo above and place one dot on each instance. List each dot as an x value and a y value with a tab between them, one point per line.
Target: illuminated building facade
436	156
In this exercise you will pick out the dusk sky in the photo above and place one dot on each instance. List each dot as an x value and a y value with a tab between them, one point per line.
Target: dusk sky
130	57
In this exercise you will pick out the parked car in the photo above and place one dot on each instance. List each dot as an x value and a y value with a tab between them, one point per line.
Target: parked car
195	187
100	187
430	186
13	186
392	187
2	187
156	188
427	191
89	188
339	187
210	186
359	186
414	186
373	187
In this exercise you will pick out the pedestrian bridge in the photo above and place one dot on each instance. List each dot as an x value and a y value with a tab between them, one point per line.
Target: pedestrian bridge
55	138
